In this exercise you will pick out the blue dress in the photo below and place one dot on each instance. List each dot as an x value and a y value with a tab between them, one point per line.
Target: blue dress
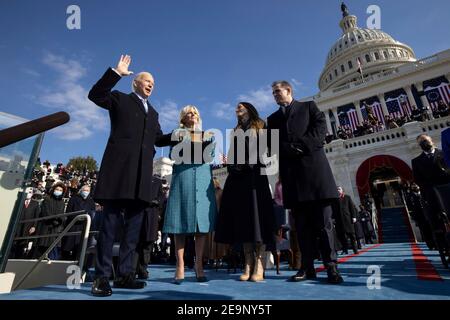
191	207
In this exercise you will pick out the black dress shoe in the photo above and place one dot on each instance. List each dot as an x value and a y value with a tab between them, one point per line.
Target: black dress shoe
333	275
202	279
101	288
129	282
303	275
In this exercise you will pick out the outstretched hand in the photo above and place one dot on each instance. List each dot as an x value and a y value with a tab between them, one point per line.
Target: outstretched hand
123	64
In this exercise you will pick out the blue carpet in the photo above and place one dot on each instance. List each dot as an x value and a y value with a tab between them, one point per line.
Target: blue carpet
393	226
398	282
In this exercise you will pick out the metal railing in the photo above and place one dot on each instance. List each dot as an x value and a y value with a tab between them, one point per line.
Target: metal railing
85	236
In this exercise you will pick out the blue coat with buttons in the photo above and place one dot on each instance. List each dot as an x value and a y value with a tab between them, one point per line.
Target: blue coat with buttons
191	206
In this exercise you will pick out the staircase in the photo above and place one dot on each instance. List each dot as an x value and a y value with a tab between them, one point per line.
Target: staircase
394	226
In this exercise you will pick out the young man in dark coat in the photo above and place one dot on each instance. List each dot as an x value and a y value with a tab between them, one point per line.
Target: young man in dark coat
125	177
308	183
30	210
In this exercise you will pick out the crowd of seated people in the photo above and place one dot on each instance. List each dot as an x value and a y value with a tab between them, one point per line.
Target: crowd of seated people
373	125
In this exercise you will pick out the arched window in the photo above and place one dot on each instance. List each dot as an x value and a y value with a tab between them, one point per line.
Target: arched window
367	58
342	68
386	56
350	65
377	56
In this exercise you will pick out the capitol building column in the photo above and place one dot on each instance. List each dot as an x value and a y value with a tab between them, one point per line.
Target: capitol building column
411	99
327	118
423	98
383	104
336	118
358	111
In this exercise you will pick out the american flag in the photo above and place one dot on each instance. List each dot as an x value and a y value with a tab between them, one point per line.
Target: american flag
377	111
399	106
434	95
349	118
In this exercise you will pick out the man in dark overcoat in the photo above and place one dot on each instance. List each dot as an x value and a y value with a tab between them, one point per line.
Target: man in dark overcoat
346	215
125	177
308	183
430	171
30	210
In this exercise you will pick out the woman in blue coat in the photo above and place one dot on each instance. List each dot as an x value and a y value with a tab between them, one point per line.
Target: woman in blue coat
191	207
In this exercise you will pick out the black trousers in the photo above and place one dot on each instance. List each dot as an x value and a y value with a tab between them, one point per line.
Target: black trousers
112	221
314	224
343	238
143	254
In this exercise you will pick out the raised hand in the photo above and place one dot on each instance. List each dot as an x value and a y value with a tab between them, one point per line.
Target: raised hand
123	64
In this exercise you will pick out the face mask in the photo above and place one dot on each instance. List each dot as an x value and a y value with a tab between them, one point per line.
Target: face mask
57	194
84	194
29	196
426	145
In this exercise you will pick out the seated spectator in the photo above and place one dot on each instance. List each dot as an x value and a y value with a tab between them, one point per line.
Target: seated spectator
416	114
442	109
52	205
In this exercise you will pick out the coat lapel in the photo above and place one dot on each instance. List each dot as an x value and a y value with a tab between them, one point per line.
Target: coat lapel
293	109
139	102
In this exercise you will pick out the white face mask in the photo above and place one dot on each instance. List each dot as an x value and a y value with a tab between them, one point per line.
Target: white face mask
57	193
84	194
29	196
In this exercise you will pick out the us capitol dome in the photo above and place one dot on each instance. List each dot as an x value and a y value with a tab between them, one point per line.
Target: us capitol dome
376	50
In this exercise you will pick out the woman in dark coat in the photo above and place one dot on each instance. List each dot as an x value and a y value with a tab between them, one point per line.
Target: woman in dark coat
52	205
82	201
246	212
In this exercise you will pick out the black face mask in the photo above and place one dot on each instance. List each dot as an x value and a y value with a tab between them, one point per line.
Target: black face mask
426	146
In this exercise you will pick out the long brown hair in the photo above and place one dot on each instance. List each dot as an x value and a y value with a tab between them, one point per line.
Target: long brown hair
255	121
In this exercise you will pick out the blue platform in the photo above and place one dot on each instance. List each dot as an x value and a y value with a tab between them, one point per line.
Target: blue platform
399	281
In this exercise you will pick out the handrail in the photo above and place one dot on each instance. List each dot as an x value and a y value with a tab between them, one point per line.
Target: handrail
68	214
31	128
52	235
57	240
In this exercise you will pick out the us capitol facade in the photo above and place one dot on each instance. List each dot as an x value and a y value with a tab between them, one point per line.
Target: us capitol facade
379	161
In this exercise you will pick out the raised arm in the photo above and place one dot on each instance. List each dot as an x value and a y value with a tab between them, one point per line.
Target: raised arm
101	93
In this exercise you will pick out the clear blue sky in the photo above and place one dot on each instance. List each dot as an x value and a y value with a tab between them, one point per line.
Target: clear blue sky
209	53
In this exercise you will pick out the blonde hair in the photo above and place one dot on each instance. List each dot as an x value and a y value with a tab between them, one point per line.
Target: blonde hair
194	110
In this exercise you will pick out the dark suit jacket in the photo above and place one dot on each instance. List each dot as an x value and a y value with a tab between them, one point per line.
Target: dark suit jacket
446	145
127	165
430	172
306	177
32	212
